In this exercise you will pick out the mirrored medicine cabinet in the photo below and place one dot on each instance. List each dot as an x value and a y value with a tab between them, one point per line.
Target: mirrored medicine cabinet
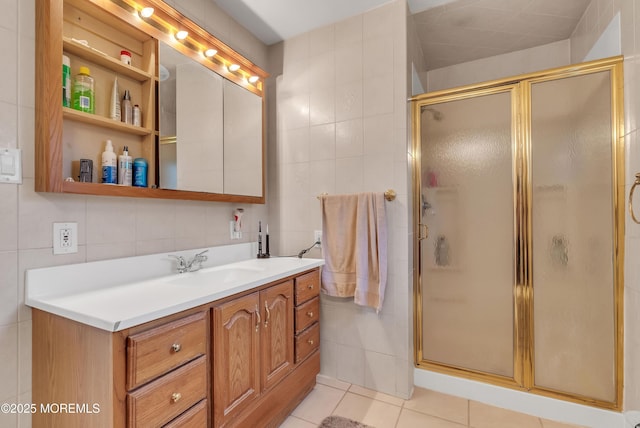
202	129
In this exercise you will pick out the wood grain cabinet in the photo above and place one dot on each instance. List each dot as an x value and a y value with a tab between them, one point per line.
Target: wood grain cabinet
253	348
92	33
243	361
152	356
307	292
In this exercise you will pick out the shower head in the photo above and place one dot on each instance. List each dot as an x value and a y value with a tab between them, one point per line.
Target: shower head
437	114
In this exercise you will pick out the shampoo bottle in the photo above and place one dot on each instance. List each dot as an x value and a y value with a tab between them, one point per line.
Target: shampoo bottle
127	111
125	166
109	163
114	105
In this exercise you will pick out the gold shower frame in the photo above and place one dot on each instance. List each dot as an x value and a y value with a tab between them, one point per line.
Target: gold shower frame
520	88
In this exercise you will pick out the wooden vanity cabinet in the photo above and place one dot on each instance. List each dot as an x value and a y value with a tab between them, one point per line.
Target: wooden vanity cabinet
252	348
167	370
307	336
235	362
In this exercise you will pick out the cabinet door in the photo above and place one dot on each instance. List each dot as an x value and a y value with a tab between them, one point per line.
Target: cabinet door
236	362
277	333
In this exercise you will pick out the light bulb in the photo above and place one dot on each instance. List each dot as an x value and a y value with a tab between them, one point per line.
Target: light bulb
146	12
234	67
253	79
210	52
182	34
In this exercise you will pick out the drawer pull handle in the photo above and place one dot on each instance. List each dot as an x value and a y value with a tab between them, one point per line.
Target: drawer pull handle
258	319
268	317
176	347
310	342
310	314
310	286
175	397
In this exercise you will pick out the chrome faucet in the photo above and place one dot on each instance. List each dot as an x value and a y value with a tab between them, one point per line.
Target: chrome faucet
192	264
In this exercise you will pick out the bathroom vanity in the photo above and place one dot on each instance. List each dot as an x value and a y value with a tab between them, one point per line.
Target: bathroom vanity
230	345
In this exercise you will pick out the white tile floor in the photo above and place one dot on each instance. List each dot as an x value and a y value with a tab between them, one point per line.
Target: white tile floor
426	409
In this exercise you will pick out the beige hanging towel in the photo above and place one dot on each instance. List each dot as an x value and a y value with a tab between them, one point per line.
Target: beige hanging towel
354	246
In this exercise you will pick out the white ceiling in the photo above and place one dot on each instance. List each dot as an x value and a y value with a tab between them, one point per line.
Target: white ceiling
450	31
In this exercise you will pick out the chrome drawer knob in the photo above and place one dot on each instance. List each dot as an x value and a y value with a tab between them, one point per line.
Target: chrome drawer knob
176	347
310	342
310	314
175	397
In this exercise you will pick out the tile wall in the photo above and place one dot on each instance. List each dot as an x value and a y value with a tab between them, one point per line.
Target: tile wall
342	128
107	227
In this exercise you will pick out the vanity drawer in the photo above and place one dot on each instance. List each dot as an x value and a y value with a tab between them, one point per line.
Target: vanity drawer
307	342
194	417
162	400
307	314
156	351
307	286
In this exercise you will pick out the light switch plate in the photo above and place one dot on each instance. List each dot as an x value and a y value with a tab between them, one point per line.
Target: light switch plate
65	238
11	166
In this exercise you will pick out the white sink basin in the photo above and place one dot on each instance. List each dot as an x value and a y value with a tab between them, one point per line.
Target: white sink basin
216	275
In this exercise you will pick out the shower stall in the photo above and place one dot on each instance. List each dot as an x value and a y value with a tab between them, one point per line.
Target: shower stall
519	226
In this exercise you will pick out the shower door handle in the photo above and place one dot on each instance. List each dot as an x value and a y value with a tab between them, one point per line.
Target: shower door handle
425	228
633	188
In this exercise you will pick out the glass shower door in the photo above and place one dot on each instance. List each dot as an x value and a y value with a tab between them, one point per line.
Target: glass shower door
573	236
467	229
519	221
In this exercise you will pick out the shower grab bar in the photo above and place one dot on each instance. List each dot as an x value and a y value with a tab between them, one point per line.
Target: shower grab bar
389	195
633	188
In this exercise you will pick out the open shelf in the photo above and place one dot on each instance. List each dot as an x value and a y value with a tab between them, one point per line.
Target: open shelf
92	119
100	58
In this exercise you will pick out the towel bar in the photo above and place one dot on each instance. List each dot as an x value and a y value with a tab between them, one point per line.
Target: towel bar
389	195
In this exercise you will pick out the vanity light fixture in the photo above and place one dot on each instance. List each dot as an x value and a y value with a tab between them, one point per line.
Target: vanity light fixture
163	23
146	12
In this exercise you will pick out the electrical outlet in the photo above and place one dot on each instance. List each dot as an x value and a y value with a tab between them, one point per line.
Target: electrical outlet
232	231
65	238
317	236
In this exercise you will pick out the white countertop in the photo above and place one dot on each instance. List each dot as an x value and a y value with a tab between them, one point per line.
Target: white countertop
123	304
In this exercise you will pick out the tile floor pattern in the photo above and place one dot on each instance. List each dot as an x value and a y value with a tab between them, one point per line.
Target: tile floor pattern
426	409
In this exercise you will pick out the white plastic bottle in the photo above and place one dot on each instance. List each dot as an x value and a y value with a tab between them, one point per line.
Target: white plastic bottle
114	105
109	164
125	168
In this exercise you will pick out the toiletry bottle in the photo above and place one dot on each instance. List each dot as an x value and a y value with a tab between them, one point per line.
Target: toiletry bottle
137	116
66	81
109	163
83	94
127	111
114	105
140	172
125	57
125	166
